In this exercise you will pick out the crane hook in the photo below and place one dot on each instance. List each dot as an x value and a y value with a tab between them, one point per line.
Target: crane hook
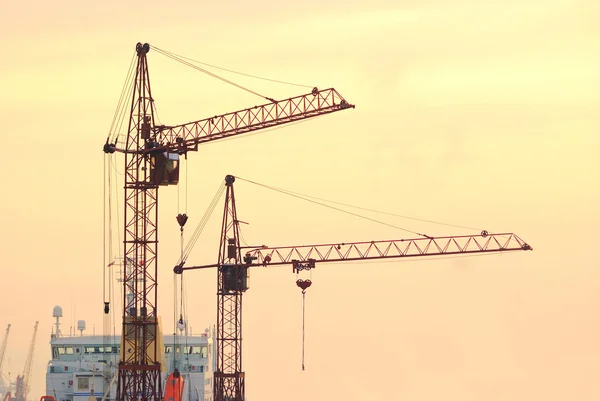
303	284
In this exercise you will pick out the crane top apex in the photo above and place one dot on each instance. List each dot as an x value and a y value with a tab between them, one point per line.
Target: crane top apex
142	48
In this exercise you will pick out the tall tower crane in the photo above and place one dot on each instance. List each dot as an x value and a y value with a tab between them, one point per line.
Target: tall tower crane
23	381
151	159
233	272
3	385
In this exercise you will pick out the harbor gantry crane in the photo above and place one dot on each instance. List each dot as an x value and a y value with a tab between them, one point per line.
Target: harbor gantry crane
24	380
3	384
152	155
233	273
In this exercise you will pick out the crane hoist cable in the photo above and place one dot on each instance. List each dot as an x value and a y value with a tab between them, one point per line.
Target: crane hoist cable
194	238
182	219
123	112
117	118
110	257
114	192
105	184
303	284
303	319
107	209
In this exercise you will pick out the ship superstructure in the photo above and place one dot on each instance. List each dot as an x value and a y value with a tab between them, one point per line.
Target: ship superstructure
85	366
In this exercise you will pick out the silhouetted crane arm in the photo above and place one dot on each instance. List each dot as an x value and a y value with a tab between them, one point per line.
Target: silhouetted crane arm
401	248
24	381
3	351
186	137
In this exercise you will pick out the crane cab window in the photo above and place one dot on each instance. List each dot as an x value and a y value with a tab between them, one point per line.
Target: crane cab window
69	350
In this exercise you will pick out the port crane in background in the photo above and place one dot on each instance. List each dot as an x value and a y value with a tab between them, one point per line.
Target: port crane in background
233	273
23	383
152	155
3	384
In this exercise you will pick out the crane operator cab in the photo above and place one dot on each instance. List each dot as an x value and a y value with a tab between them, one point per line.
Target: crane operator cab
165	168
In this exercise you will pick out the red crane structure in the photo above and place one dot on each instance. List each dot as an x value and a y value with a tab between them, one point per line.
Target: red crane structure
151	160
233	274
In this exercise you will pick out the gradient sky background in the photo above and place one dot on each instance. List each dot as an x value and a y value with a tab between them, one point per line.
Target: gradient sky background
476	113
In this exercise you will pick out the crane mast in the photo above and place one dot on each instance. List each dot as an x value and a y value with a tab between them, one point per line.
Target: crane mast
231	284
23	381
233	273
3	385
151	160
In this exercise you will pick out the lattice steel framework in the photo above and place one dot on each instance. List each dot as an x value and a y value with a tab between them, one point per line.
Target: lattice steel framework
229	376
139	367
402	248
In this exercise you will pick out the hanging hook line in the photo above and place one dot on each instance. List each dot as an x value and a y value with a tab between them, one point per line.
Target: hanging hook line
303	319
188	248
104	231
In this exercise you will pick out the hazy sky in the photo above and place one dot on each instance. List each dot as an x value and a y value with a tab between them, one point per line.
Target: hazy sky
476	113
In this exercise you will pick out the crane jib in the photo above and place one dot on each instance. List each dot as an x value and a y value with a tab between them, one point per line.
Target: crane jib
184	138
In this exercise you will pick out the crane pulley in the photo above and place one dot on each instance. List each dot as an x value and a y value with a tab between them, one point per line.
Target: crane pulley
233	270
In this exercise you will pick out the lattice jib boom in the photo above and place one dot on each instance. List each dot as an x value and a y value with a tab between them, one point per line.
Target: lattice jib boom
313	104
186	137
399	248
426	246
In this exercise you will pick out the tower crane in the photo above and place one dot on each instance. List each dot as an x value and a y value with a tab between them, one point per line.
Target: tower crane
233	272
152	154
3	385
23	381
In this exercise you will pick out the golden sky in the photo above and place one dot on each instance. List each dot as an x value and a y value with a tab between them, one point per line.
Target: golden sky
475	113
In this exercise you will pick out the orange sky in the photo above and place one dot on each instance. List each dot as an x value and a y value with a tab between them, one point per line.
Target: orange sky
482	114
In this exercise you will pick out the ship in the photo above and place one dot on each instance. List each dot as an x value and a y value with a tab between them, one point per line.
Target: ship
84	367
